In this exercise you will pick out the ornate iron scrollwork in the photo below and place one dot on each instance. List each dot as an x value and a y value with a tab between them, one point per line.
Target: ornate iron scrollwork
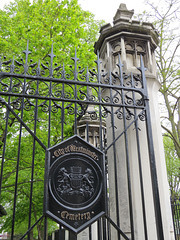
52	83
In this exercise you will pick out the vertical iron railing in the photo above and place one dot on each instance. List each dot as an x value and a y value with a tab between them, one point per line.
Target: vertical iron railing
175	206
46	104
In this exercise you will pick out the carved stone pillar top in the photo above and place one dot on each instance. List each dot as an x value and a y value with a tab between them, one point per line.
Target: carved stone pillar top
123	24
123	13
130	39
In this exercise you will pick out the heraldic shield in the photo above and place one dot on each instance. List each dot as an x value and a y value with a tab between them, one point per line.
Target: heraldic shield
75	184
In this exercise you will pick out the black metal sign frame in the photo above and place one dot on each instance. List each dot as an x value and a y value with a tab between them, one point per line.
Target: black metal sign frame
74	186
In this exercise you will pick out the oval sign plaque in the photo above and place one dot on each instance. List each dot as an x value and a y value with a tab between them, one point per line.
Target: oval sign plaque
74	189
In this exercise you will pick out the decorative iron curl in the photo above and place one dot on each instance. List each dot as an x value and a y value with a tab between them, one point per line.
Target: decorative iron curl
129	99
137	80
93	75
17	87
93	115
28	105
70	109
107	80
17	104
80	111
38	72
4	87
92	98
142	116
44	107
57	90
129	114
57	67
31	91
140	102
55	107
7	62
119	114
81	71
116	98
106	99
115	77
127	80
58	93
1	104
23	64
11	68
104	76
68	95
69	91
93	94
105	112
82	95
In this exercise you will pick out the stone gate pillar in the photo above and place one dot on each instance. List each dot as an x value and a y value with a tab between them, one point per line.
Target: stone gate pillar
131	39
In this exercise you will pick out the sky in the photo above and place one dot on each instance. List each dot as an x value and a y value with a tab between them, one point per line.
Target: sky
104	9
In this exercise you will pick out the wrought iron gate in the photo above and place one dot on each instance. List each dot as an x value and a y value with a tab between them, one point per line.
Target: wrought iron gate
41	105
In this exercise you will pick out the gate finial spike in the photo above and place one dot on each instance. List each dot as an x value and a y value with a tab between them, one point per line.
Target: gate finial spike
51	55
141	68
63	72
98	67
98	59
120	65
87	75
38	71
75	59
12	67
27	52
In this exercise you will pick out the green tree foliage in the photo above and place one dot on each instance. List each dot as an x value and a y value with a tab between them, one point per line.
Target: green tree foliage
173	167
43	23
166	21
62	23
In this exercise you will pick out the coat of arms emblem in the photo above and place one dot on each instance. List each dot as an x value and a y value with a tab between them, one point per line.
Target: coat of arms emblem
75	182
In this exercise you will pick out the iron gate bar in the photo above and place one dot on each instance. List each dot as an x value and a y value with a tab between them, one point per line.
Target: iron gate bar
140	166
99	230
5	137
101	140
62	112
133	122
175	208
90	233
152	160
73	101
31	227
127	158
17	167
115	226
33	160
3	153
115	160
21	121
98	86
67	81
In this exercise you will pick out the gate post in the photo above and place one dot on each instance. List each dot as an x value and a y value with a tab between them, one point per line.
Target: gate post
135	210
